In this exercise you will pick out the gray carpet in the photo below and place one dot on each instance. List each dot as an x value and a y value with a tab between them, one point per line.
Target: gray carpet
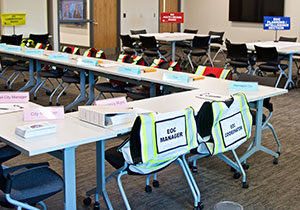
271	187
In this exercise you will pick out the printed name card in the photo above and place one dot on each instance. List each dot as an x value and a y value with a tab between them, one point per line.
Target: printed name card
87	62
2	46
14	97
44	113
176	77
119	102
129	70
59	57
34	52
243	86
14	48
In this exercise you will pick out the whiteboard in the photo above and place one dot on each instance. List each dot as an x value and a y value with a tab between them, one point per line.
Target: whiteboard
36	16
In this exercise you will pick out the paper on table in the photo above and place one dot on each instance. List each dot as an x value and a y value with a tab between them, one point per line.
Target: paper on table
8	108
107	65
212	97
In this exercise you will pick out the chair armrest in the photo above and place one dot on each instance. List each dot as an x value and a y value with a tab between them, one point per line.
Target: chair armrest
123	144
7	152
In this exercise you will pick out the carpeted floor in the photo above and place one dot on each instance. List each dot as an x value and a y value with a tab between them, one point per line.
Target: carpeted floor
271	187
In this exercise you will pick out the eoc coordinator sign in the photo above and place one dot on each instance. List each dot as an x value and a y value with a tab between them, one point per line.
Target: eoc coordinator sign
171	17
277	23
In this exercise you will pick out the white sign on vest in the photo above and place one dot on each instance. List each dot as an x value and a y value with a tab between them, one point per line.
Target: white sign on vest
233	129
170	134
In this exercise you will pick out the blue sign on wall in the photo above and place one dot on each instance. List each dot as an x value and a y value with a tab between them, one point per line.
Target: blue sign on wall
277	23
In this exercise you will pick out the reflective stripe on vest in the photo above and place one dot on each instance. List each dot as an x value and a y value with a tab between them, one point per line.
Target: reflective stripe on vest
200	70
224	74
172	64
136	59
156	62
221	112
74	49
87	53
99	53
122	58
40	46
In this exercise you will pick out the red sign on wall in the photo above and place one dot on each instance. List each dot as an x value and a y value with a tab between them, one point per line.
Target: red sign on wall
171	17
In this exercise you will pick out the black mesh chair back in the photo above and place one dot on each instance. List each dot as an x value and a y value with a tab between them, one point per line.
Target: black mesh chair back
39	38
13	40
266	54
201	42
287	39
149	42
190	31
127	41
236	51
136	32
218	40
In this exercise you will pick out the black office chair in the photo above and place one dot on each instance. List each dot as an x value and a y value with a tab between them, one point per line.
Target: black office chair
199	48
268	61
137	32
186	44
39	38
5	64
238	57
267	81
217	43
129	46
151	47
287	39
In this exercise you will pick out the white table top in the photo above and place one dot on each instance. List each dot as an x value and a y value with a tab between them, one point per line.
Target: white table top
69	133
282	47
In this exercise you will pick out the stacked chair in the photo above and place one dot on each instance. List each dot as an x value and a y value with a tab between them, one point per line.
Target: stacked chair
217	43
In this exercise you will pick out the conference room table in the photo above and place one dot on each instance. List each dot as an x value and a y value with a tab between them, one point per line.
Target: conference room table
173	38
285	48
83	133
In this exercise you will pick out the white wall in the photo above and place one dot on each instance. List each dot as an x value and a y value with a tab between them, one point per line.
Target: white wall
36	16
140	14
213	15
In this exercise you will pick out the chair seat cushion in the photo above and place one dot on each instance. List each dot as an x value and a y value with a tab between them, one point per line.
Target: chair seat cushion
238	64
50	73
69	79
34	186
21	68
196	52
270	67
153	53
108	87
8	63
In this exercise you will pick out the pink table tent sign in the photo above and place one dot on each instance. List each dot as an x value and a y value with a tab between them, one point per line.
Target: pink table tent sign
119	102
44	113
14	97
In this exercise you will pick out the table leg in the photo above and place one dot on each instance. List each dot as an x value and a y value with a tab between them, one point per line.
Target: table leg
82	92
257	146
153	90
30	83
290	82
70	178
38	78
100	189
173	44
91	88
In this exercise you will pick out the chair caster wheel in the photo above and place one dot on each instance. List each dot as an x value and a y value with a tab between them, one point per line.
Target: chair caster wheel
35	98
5	87
48	93
96	206
275	161
236	175
194	169
200	205
148	189
57	104
50	103
278	153
245	166
232	169
64	93
25	80
155	183
245	185
87	201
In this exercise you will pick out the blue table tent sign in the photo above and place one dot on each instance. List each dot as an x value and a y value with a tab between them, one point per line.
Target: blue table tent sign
14	48
59	57
87	62
243	86
129	70
34	52
176	77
